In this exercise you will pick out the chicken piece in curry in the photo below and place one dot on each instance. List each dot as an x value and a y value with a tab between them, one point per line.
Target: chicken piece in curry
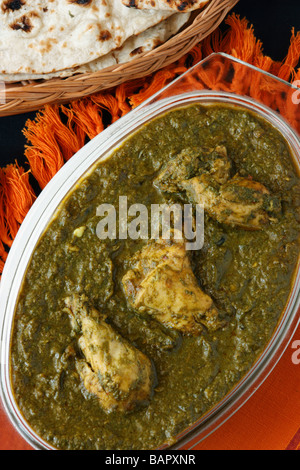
191	162
236	201
120	375
240	202
162	283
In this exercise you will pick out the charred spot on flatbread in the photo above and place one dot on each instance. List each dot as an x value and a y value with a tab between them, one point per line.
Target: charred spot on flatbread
12	5
131	4
23	24
104	35
176	5
137	51
81	2
182	6
185	5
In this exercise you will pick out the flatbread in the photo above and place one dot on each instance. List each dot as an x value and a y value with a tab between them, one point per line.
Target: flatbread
132	48
178	5
44	36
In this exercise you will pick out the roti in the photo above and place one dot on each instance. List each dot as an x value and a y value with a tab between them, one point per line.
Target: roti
178	5
132	48
42	36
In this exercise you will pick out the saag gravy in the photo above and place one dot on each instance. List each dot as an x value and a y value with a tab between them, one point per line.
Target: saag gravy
100	362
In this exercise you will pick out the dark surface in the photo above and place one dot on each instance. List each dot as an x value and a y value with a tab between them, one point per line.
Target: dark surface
272	21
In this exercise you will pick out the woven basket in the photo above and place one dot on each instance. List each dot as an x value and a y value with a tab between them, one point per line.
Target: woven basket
29	96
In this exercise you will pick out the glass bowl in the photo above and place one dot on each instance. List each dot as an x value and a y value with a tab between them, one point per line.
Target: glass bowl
189	88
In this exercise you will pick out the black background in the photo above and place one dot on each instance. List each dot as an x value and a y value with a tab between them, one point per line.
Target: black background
272	21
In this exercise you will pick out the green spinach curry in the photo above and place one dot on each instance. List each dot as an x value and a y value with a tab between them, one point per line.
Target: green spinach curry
122	344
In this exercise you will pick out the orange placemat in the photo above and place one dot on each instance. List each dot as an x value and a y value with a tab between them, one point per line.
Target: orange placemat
271	418
9	437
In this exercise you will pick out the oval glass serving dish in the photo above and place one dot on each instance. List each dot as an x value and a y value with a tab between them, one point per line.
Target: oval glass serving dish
45	208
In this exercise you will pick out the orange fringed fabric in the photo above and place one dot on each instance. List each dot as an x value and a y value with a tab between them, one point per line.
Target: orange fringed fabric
58	132
88	117
43	152
159	80
109	103
287	69
16	198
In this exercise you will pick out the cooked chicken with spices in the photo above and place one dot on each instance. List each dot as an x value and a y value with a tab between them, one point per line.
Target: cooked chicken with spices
120	375
162	283
191	162
219	165
240	202
205	177
182	167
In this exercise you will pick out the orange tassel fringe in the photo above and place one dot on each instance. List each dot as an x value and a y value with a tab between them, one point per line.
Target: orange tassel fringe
58	132
16	198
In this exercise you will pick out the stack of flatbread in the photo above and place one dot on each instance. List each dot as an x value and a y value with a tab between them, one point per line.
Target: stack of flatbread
42	39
